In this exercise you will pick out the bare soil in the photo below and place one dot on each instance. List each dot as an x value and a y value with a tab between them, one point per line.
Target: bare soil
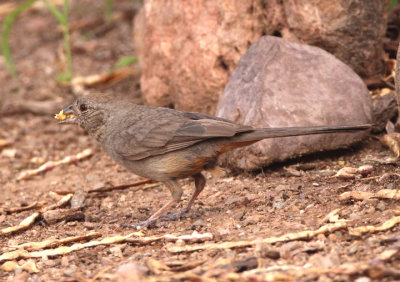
285	198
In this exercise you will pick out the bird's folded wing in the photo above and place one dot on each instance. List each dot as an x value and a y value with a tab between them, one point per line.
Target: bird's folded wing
172	133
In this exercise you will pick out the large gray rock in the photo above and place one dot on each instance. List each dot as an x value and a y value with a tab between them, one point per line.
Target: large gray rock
281	83
188	49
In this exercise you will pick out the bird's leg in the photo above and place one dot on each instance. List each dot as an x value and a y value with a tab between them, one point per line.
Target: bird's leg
199	182
176	193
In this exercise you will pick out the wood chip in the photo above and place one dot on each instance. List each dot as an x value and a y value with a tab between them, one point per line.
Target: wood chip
51	243
392	142
4	143
32	206
308	234
358	231
23	224
121	187
62	250
347	173
333	216
355	195
381	194
27	222
57	215
107	78
195	237
52	164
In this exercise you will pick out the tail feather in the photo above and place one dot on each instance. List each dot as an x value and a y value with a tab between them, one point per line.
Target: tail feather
263	133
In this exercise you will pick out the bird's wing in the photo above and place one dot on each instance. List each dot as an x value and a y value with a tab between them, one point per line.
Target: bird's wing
170	131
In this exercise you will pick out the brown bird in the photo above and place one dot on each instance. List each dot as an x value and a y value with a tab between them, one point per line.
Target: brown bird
165	145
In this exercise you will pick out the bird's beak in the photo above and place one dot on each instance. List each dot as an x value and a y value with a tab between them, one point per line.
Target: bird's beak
66	115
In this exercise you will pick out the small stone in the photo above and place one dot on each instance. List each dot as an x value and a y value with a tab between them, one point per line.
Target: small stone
365	169
302	196
71	270
355	215
9	153
89	225
362	279
251	219
373	241
381	206
180	243
238	216
232	200
353	249
65	261
129	272
281	188
391	185
9	266
278	205
197	223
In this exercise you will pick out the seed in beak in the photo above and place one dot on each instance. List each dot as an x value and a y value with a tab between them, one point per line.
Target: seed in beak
62	116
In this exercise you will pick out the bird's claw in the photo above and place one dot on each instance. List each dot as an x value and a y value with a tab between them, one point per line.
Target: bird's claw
140	225
178	215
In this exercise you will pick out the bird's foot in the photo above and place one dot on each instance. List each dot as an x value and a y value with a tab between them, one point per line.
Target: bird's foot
141	224
183	213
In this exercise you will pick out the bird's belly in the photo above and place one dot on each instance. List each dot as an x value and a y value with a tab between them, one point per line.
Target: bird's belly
175	164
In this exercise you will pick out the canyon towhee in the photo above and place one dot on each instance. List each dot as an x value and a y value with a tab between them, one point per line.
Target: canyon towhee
166	145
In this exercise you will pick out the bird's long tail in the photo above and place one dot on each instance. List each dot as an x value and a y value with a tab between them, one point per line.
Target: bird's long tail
263	133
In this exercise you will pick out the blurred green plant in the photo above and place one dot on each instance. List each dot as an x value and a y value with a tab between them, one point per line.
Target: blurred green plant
124	62
392	4
109	10
61	17
8	22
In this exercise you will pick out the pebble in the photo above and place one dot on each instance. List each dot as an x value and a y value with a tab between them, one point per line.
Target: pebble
238	216
362	279
278	205
281	188
232	200
89	225
373	241
381	206
71	270
355	215
391	186
197	223
352	249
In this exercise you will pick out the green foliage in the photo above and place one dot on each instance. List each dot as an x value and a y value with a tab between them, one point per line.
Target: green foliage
109	9
62	18
125	61
8	22
392	4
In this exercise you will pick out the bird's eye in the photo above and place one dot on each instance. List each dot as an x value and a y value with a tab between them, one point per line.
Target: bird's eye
83	107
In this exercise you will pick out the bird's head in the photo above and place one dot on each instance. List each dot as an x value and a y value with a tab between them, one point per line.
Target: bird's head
90	113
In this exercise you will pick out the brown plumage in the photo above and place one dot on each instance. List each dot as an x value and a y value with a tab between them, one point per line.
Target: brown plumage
166	145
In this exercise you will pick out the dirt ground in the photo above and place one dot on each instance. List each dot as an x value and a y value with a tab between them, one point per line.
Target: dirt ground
266	211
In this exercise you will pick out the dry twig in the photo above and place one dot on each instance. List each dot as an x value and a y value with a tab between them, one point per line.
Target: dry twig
194	237
32	206
24	224
121	187
381	194
242	244
358	231
52	164
51	243
65	250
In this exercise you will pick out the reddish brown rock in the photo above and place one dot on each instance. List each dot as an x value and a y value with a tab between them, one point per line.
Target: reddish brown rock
187	49
282	83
